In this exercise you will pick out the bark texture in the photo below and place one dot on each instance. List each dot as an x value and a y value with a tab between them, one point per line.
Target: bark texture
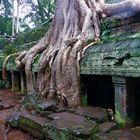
124	9
74	23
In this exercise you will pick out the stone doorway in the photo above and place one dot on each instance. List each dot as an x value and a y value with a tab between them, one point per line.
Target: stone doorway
136	86
100	90
120	94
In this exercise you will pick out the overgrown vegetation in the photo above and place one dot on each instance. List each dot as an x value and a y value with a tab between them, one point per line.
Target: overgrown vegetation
30	38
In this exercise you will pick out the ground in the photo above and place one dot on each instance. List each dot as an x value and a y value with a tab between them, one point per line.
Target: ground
9	100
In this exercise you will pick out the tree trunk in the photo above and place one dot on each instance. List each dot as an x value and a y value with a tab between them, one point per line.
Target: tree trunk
74	23
122	9
17	20
13	17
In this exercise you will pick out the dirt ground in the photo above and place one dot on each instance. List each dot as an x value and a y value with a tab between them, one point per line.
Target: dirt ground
9	100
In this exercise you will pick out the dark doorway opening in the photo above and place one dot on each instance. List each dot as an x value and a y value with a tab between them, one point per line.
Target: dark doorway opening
136	87
100	90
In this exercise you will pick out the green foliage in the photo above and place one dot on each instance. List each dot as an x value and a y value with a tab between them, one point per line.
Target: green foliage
9	49
9	46
5	17
6	7
105	28
41	12
5	25
30	36
45	9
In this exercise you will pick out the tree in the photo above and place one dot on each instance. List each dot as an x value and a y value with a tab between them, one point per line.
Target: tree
5	8
121	9
13	17
74	23
5	17
43	11
17	20
5	25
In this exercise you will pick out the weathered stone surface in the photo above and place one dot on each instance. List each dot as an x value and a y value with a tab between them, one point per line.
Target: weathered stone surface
106	127
49	105
32	124
2	134
3	116
38	120
7	106
113	58
96	113
137	128
120	135
67	126
68	120
17	135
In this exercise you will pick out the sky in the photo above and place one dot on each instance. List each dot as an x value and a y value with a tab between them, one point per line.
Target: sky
24	10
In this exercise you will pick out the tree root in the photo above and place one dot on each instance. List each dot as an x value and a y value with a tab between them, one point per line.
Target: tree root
74	23
5	63
19	65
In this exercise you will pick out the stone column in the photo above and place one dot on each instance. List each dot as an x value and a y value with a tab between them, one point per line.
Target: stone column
14	81
124	102
22	82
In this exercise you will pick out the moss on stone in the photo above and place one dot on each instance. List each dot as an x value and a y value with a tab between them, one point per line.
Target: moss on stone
122	121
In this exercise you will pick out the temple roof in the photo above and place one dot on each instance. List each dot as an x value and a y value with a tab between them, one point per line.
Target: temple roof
120	58
113	1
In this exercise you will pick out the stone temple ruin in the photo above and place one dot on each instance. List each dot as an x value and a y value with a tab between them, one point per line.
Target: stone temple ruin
110	71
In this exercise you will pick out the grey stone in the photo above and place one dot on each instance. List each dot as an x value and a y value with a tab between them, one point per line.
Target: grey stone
120	134
74	122
106	127
49	105
96	113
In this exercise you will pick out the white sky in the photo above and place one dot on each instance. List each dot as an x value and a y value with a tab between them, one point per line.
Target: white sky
24	8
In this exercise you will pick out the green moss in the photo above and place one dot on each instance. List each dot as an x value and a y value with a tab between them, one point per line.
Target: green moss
136	35
51	133
30	126
84	99
74	133
29	123
121	121
135	54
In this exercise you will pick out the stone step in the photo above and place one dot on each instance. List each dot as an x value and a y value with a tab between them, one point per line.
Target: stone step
98	114
121	135
68	126
107	127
